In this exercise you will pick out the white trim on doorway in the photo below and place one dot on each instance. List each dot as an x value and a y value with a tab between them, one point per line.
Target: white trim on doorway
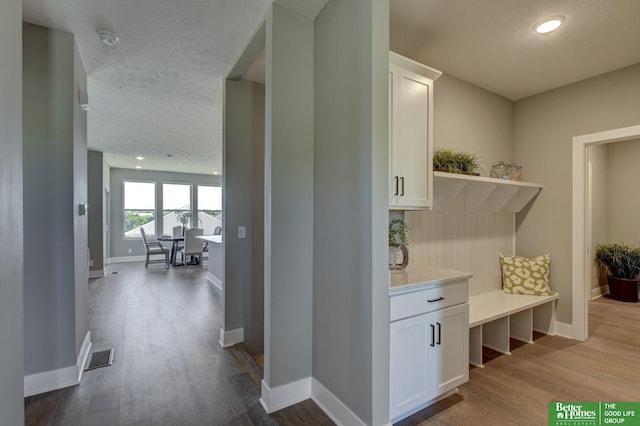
582	223
231	337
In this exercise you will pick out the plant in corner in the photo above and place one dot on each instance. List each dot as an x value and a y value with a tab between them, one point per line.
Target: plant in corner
398	242
450	161
623	262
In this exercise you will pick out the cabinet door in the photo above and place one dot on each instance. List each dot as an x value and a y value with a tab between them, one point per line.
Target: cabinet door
411	177
394	179
448	359
408	385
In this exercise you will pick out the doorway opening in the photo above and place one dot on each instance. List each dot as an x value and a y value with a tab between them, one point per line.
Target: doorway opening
582	222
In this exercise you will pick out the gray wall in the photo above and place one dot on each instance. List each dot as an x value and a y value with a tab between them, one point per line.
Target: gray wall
80	223
106	210
11	271
544	126
49	205
622	203
350	292
118	245
289	209
599	211
96	209
472	119
244	206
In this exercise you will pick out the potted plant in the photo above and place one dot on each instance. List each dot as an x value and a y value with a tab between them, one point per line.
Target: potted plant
447	160
623	262
398	242
185	218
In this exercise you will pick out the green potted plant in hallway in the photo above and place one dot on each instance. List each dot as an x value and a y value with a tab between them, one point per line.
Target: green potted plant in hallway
623	262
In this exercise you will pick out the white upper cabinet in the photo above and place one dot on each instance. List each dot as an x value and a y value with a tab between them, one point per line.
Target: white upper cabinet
410	133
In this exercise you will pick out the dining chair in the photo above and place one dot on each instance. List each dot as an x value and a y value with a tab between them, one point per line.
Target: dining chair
176	232
152	248
193	245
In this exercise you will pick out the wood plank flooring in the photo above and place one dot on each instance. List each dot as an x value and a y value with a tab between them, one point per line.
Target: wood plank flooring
170	370
515	390
168	366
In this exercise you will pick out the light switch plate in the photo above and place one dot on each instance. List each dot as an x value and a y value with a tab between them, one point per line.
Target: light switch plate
242	232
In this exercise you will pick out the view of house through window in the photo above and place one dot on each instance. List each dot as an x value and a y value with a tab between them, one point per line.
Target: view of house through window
139	208
176	207
209	207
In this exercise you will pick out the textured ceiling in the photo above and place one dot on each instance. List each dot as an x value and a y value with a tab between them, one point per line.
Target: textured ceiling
491	43
159	90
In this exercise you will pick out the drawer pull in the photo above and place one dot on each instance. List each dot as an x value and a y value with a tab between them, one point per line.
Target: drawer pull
435	300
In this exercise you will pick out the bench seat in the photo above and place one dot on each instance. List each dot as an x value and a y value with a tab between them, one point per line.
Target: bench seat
496	317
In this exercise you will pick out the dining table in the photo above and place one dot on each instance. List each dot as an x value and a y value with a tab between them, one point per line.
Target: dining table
174	246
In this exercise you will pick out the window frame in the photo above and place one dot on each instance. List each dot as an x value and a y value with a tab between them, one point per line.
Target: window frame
124	209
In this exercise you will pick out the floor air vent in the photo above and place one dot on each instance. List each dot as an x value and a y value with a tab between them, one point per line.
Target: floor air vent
100	359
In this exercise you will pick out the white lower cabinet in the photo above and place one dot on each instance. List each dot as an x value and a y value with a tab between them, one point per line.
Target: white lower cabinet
429	356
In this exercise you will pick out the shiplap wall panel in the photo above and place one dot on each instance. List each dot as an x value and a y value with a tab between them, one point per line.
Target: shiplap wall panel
463	240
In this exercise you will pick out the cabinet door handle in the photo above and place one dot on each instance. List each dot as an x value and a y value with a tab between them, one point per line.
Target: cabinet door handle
396	181
435	300
433	334
439	333
402	181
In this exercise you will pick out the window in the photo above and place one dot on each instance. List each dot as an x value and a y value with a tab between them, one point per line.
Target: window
209	207
139	208
176	206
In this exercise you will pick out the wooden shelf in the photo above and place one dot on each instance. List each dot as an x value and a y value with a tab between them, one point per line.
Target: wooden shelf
502	194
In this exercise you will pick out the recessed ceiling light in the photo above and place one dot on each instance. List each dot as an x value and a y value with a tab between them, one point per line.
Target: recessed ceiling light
548	25
139	157
108	38
138	167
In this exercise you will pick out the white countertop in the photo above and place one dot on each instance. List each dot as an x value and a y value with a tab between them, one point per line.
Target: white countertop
408	280
211	238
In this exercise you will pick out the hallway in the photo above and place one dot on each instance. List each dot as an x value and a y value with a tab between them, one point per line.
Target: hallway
168	367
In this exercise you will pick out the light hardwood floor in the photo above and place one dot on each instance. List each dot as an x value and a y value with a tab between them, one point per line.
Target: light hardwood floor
169	369
515	390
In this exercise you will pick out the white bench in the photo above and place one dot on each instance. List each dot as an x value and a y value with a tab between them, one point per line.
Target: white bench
495	317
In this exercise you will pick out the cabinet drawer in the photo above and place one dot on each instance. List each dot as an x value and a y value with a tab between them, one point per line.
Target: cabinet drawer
423	301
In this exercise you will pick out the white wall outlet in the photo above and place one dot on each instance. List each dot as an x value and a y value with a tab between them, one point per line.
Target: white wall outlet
242	232
91	262
130	251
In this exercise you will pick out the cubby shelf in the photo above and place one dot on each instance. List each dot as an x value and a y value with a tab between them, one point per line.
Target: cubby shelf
512	195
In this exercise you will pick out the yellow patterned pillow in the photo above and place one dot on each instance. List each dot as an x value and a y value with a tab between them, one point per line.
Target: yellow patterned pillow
525	276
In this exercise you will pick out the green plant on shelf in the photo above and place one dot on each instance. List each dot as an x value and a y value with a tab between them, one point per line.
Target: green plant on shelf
450	161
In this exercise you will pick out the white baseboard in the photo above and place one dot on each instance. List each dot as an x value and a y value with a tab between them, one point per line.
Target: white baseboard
332	406
217	282
563	330
47	381
231	337
98	273
599	291
123	259
283	396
